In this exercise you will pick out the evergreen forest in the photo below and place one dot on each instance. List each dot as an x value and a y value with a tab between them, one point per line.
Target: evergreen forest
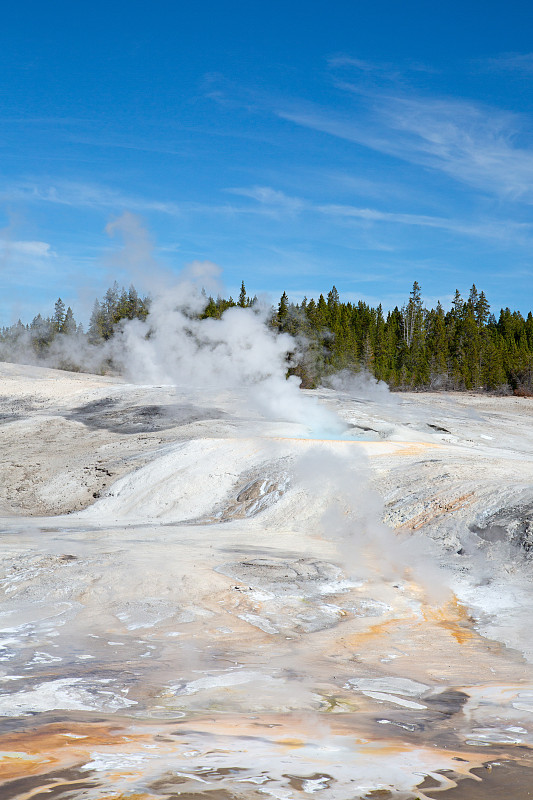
467	348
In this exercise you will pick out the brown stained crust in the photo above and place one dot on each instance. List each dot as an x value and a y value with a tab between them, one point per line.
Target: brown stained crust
438	506
43	749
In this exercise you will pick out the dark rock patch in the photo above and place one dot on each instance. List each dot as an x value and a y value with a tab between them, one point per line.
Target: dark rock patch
438	428
107	414
447	702
513	524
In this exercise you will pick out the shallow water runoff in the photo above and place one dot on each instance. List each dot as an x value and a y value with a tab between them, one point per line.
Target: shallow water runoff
199	602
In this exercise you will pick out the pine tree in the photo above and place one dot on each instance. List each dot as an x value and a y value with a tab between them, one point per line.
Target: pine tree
379	346
457	305
471	349
211	309
94	334
59	314
42	332
473	297
494	376
321	315
412	314
438	349
482	310
69	326
283	310
333	299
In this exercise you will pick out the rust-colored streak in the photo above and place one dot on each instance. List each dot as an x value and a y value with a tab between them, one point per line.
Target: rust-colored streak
130	796
291	744
454	618
383	447
42	750
402	448
437	507
286	732
378	631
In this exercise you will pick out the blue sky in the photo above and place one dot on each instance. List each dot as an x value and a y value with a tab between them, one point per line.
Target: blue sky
296	145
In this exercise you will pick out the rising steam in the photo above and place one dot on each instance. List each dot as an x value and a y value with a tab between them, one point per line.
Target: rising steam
239	352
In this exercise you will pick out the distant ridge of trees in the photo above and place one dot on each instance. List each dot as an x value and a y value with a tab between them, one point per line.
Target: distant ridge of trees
410	348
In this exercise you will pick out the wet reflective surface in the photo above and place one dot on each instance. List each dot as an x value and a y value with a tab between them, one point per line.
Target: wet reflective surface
232	619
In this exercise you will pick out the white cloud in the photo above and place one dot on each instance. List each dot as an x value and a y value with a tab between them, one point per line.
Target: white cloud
34	249
473	144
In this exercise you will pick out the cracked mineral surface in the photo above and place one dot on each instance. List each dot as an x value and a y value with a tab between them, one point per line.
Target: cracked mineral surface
201	603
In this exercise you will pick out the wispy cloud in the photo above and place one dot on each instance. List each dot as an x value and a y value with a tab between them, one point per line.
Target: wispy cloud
521	63
471	143
389	71
486	229
379	69
32	249
26	264
84	195
270	198
270	202
263	201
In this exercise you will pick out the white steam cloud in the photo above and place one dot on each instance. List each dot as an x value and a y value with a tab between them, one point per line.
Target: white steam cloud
353	519
239	352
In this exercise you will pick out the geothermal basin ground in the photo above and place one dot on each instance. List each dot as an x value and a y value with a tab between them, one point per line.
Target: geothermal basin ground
201	603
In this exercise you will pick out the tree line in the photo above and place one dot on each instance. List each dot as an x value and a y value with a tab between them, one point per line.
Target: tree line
410	348
42	332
